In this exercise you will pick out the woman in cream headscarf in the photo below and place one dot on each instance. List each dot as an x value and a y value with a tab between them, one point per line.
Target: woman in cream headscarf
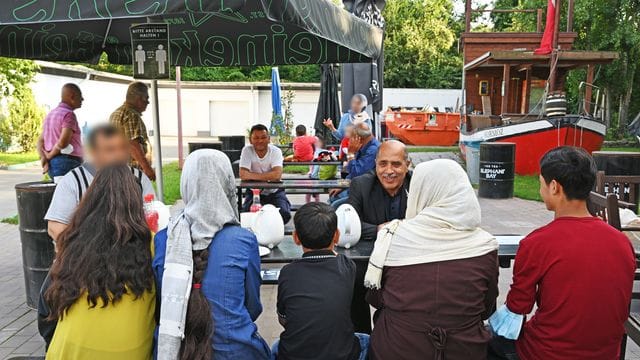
208	270
433	276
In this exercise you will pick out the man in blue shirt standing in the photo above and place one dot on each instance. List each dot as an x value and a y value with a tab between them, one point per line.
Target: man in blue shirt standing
361	158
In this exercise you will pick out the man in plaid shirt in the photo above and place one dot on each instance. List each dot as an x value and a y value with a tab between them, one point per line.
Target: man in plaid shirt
128	119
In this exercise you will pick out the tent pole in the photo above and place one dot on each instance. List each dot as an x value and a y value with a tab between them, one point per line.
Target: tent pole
157	147
179	95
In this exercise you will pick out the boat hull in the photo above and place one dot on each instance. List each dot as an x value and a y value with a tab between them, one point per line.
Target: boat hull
533	139
424	128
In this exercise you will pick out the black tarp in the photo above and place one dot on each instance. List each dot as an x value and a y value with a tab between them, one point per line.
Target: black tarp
364	78
328	104
203	33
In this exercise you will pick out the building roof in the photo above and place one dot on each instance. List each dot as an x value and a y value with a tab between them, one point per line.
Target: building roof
566	59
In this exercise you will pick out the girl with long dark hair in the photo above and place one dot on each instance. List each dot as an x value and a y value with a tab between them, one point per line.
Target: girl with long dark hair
208	270
102	292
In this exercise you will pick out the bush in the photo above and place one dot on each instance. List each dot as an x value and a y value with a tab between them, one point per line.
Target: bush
22	126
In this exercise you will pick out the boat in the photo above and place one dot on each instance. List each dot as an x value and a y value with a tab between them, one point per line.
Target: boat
423	126
514	94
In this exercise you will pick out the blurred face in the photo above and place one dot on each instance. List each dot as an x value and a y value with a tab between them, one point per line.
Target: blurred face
356	105
141	103
391	168
259	140
109	151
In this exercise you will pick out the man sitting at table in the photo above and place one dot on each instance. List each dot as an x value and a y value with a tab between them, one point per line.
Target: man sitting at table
262	161
577	269
381	196
361	158
378	196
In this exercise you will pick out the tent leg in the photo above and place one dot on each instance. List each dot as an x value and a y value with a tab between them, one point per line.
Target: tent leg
179	99
157	147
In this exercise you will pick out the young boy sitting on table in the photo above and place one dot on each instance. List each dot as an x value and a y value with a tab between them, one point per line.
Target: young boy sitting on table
577	270
303	145
314	294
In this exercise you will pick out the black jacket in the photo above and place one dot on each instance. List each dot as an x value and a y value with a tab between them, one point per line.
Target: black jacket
367	196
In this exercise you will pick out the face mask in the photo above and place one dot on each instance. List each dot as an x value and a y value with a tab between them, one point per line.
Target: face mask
505	323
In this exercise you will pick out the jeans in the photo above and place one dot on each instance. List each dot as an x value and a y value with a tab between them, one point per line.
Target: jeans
277	199
501	348
364	347
341	198
60	165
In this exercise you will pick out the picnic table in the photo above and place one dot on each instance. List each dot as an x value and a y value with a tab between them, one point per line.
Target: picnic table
313	186
311	163
288	252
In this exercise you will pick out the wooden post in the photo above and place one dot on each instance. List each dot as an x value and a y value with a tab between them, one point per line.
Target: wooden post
539	21
527	92
588	89
506	77
570	7
467	16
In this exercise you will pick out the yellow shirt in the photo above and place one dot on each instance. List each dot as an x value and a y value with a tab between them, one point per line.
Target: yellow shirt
121	331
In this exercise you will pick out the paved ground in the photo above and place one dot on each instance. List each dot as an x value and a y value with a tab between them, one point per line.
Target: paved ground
8	179
18	330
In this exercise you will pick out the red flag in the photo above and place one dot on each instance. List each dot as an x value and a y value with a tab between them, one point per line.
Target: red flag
549	28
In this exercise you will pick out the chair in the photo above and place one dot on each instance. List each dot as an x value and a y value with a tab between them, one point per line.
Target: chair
607	207
624	186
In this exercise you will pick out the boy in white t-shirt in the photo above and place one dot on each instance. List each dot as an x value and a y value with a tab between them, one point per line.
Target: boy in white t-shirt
262	161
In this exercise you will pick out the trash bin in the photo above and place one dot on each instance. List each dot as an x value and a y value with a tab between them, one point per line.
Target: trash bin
37	247
617	162
473	164
193	146
496	173
233	154
232	142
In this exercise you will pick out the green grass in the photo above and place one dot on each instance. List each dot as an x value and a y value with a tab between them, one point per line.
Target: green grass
414	149
11	220
296	169
17	158
627	149
527	187
171	178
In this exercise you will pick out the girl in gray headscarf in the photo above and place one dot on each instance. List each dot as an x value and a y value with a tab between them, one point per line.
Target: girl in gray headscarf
208	270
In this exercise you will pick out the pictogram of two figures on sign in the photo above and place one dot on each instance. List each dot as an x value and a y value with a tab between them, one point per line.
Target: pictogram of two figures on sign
160	58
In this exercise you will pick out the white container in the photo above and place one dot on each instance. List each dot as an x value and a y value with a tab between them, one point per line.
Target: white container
349	226
268	226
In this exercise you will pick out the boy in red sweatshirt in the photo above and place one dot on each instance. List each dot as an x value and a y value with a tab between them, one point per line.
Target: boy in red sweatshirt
577	270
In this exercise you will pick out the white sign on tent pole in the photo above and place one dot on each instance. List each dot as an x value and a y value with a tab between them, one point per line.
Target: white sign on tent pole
150	49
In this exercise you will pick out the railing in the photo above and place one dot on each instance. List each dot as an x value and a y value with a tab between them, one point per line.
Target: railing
593	103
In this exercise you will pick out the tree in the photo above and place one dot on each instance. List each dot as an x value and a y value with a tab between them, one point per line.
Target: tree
15	75
20	121
419	44
608	25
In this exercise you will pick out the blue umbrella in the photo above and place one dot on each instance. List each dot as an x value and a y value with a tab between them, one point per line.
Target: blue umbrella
277	122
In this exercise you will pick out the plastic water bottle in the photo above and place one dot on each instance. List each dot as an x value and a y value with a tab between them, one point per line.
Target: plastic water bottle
256	206
151	215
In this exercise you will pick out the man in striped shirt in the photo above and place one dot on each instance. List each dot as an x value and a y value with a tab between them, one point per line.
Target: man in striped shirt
106	145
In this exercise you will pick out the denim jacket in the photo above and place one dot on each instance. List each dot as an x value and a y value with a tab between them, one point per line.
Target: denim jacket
231	284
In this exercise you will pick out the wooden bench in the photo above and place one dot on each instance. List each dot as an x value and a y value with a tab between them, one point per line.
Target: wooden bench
624	187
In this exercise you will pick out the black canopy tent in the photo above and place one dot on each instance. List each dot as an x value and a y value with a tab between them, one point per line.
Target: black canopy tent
202	33
367	77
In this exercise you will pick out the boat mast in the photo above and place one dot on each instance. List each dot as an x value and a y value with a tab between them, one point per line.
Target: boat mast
553	75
